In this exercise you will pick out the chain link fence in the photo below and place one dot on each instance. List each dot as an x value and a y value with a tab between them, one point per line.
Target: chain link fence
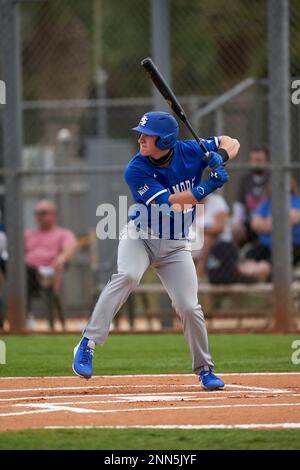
83	89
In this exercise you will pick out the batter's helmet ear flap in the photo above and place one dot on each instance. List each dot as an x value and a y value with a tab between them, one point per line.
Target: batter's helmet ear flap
166	142
157	141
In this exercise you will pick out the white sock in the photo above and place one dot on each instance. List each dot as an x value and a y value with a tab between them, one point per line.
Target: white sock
91	344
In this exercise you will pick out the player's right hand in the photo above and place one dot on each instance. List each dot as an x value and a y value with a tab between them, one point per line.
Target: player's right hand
218	177
215	160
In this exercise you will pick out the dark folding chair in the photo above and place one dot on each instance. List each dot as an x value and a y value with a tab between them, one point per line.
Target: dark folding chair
42	286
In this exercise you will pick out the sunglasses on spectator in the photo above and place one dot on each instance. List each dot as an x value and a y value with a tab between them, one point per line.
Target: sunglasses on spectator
42	212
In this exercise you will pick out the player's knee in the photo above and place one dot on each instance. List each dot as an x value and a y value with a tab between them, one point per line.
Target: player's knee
188	310
131	278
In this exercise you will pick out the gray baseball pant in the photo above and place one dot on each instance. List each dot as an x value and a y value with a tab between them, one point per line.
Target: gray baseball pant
174	265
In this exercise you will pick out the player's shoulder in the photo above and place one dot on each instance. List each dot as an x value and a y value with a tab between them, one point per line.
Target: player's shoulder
185	144
211	143
137	165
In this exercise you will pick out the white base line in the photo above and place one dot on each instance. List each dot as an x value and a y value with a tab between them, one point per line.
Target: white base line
134	399
139	399
199	395
56	408
257	389
189	426
226	374
97	387
21	413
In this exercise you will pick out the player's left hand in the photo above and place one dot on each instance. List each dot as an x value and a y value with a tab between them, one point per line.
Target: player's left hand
218	177
215	160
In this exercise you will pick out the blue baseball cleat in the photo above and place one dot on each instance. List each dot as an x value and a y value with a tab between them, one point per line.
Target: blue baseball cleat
83	358
210	381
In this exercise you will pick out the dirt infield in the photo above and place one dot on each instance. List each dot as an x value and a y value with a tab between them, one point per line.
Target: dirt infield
248	401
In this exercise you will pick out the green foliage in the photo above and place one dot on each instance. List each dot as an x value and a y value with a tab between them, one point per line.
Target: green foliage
126	41
220	42
214	43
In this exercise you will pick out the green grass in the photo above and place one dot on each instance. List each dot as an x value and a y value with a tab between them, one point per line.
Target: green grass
52	355
147	354
147	439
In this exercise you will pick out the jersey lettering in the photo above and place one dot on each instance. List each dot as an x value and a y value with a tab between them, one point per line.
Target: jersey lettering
183	186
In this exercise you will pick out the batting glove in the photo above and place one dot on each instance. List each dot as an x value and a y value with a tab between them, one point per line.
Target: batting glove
218	158
218	177
215	159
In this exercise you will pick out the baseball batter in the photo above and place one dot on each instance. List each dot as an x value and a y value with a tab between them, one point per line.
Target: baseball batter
165	177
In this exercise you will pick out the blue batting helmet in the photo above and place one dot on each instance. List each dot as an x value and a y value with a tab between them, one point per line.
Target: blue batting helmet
162	124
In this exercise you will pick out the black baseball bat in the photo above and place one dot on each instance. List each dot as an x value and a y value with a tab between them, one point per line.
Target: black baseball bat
171	99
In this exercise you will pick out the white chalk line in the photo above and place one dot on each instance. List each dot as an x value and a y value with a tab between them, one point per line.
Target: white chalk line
189	426
95	387
212	395
128	399
21	413
144	399
48	409
134	399
257	389
98	387
225	374
56	408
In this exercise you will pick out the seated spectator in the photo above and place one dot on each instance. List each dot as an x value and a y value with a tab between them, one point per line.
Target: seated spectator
257	264
218	256
251	192
48	250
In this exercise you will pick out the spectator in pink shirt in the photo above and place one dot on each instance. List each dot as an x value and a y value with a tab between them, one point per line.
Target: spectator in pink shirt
48	249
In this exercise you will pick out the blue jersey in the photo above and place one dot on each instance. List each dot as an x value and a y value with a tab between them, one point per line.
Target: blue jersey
147	182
